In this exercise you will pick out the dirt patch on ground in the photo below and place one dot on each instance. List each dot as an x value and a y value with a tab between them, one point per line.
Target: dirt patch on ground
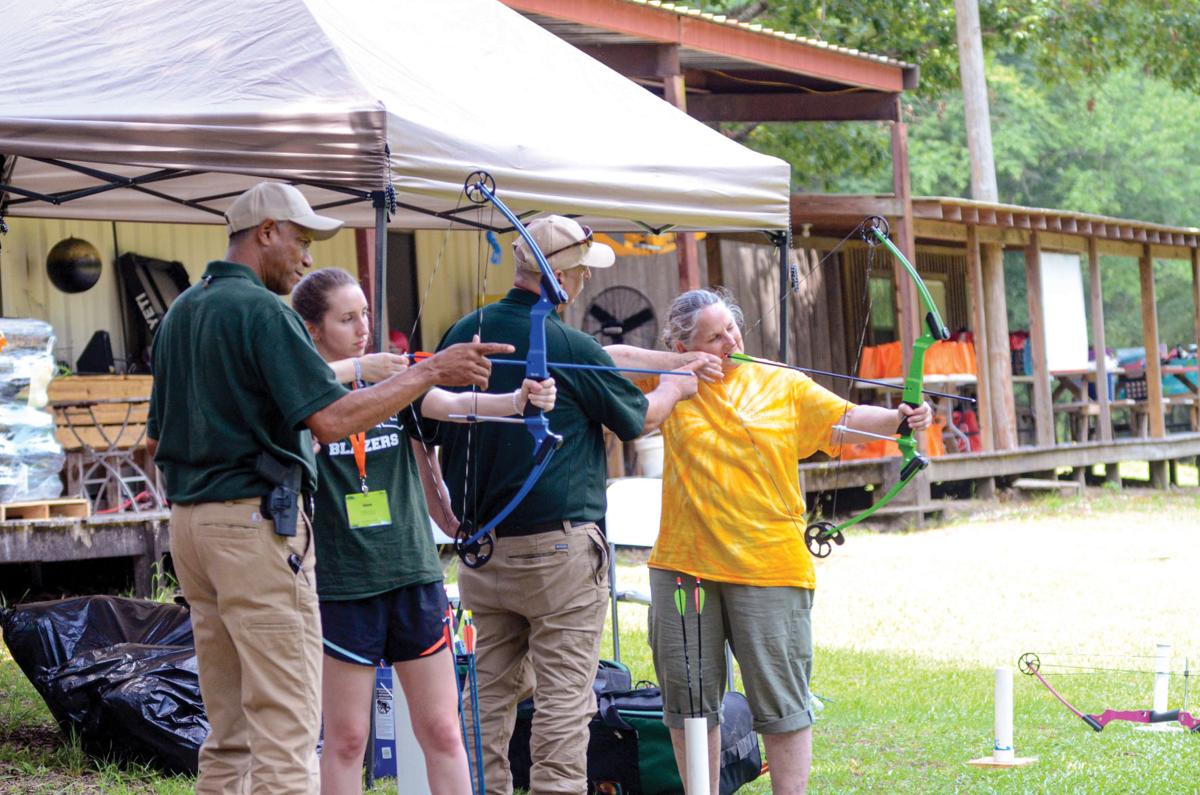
1101	575
36	739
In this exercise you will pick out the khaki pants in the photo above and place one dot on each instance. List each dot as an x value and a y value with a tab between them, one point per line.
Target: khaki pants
258	644
539	608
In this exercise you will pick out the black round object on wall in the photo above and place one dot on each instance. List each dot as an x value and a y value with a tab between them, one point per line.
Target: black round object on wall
73	265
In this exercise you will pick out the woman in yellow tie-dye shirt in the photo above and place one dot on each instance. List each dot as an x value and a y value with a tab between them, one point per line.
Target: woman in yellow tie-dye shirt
733	516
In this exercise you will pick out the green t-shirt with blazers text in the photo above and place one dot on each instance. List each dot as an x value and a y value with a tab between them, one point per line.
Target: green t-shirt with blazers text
501	455
235	374
358	562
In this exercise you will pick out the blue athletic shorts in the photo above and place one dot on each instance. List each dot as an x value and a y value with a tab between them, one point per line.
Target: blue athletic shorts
396	626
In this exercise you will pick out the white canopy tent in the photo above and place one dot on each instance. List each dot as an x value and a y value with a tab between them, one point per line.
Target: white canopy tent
163	110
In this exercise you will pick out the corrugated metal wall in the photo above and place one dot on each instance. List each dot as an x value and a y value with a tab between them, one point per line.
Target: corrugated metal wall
27	291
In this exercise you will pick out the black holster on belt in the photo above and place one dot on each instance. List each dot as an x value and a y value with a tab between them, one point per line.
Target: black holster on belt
282	503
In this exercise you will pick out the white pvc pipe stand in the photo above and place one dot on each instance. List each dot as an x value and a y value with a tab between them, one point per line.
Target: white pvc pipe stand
1002	748
695	741
1162	677
1003	755
1162	686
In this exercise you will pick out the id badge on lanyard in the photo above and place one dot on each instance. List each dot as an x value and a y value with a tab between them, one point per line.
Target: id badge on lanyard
366	508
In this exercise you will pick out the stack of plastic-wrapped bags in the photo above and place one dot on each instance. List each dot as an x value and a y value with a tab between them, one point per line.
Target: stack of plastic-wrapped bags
30	456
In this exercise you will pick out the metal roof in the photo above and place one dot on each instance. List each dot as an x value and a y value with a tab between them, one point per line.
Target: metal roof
733	55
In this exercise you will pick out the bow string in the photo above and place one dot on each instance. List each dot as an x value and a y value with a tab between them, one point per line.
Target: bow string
475	545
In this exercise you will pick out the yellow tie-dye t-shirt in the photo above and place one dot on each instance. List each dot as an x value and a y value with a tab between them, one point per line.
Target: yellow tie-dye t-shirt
732	509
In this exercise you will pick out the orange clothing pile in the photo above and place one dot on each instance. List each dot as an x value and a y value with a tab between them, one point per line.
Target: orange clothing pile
943	358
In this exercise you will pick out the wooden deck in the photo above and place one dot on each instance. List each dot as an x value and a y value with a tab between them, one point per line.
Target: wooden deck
142	537
1004	464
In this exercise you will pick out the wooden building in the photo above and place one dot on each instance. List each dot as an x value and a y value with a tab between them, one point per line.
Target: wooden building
960	245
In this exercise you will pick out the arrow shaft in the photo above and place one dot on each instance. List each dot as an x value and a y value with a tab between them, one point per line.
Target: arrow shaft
811	371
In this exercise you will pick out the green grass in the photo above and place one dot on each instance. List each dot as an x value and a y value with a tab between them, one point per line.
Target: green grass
892	721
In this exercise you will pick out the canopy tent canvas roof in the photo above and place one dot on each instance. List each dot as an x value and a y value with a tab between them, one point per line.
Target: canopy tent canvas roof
203	98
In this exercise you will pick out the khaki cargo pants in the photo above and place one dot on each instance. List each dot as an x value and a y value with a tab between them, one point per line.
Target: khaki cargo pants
258	644
539	608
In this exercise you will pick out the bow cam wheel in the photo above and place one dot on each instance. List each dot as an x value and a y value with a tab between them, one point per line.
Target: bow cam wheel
473	554
471	186
1029	664
820	537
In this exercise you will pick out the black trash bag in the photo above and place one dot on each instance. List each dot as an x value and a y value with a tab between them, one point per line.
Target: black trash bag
118	673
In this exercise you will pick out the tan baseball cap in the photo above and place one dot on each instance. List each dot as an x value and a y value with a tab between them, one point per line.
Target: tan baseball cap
564	243
276	201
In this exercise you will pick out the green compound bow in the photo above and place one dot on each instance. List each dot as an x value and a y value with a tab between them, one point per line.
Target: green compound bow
820	536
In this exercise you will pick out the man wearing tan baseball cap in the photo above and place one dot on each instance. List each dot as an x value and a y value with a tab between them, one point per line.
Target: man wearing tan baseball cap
568	248
277	201
239	395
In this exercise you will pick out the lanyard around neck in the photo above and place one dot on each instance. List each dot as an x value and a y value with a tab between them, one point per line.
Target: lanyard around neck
358	443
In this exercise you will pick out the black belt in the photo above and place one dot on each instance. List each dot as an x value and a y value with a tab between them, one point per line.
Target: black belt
534	529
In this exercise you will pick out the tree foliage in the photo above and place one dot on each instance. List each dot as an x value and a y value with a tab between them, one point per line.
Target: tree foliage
1068	41
1093	109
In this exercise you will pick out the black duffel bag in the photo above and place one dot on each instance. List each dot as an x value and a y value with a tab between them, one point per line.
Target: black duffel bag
629	751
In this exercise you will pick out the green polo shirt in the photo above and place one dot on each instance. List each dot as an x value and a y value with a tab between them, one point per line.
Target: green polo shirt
501	456
235	373
354	563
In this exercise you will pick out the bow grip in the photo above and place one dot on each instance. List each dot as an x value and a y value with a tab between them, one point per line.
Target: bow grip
905	429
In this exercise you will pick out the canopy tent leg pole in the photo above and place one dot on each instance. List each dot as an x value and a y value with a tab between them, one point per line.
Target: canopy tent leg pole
379	200
783	242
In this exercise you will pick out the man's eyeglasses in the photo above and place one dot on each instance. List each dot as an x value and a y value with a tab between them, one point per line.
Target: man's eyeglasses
587	241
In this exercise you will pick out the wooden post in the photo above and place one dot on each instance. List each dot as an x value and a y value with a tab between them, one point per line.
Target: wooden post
1096	299
907	303
364	255
1112	474
1196	298
715	263
687	253
908	306
983	392
1003	408
975	101
985	488
1043	408
1154	389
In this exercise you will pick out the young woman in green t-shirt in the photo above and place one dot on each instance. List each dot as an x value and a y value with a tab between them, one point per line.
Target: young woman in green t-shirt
378	575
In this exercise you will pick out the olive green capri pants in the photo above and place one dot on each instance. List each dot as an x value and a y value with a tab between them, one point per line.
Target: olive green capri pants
770	632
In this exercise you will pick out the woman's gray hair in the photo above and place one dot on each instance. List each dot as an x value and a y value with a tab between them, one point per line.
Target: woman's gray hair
686	308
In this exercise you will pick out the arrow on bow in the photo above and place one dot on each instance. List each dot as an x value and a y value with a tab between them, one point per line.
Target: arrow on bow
1030	665
603	368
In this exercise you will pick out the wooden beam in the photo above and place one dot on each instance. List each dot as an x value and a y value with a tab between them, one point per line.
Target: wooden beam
1196	296
855	208
693	32
1003	408
1043	408
631	60
908	306
1096	299
364	257
794	106
1154	387
687	253
983	392
714	261
688	257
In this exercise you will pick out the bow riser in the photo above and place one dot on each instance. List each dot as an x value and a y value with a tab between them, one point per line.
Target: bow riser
475	548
